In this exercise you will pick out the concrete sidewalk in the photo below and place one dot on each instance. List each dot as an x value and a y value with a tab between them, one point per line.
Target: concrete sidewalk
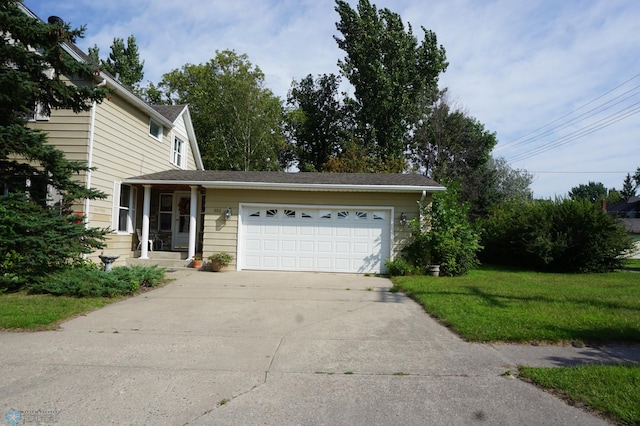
276	348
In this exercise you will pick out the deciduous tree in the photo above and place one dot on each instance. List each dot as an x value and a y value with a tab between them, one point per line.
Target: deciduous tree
238	122
317	121
390	71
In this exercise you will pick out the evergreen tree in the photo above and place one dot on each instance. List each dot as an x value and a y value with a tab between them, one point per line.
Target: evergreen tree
36	235
123	62
628	187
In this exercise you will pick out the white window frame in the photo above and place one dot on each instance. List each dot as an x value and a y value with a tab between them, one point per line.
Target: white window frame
157	135
179	156
117	208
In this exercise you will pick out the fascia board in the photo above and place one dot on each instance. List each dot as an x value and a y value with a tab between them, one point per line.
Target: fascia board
289	187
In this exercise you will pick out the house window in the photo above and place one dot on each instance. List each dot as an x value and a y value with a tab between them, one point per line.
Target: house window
177	153
155	130
165	212
124	207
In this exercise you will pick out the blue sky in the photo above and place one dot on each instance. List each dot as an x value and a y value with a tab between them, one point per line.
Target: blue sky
557	81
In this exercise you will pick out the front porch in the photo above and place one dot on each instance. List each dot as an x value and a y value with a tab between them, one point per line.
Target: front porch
163	259
170	226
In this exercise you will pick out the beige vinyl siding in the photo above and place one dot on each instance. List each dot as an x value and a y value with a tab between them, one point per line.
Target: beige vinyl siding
68	132
222	235
122	148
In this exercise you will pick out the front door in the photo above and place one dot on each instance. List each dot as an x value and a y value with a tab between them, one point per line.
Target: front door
181	215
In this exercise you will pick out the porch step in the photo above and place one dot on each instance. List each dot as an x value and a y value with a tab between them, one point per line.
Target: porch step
164	259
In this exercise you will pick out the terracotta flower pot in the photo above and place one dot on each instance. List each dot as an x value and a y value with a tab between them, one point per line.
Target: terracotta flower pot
196	264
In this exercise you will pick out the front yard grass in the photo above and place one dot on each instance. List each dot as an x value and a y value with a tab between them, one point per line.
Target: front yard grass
36	312
505	305
613	390
493	304
72	292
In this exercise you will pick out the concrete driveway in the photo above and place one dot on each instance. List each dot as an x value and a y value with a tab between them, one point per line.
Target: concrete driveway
266	348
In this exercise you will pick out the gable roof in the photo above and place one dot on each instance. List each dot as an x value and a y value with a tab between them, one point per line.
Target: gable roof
360	182
173	113
170	112
165	116
623	208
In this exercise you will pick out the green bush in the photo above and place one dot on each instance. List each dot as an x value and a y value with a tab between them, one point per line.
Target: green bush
35	240
556	236
399	267
446	238
90	282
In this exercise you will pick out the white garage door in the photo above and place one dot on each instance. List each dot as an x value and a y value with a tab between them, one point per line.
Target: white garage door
315	239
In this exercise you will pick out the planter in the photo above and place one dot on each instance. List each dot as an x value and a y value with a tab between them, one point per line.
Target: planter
196	264
216	265
433	270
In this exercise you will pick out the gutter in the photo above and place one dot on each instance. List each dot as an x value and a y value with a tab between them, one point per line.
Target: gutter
289	187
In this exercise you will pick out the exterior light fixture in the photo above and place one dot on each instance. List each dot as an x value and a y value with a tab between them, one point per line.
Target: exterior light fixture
227	213
403	218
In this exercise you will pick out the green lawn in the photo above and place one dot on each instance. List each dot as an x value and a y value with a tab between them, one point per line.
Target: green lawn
612	390
33	312
496	304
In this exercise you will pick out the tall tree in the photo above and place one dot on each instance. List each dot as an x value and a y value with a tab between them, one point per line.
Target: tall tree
450	146
123	62
628	187
37	236
631	184
593	192
507	183
391	73
237	120
316	121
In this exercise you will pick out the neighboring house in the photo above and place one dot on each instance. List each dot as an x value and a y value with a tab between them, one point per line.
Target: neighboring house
629	213
325	222
120	137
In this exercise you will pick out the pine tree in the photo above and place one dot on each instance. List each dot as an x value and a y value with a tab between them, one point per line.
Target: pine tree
36	234
123	62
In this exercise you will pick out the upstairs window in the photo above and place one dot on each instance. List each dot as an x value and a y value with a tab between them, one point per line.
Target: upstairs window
155	130
178	156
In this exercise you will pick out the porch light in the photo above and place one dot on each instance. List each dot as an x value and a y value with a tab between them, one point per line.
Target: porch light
227	213
403	219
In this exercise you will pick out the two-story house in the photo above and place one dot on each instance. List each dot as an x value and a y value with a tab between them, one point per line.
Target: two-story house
160	198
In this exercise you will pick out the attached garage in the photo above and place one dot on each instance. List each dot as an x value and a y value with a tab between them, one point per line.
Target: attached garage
312	238
323	222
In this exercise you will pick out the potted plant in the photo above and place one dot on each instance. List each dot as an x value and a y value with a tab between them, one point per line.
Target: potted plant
219	260
197	261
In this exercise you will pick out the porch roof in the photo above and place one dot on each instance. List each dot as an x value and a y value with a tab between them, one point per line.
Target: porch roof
357	182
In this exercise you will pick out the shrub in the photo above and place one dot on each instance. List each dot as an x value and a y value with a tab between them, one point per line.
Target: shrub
35	240
560	236
446	238
400	267
88	282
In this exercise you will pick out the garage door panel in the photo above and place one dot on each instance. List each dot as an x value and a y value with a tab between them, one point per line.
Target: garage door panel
289	245
325	247
307	246
270	245
315	239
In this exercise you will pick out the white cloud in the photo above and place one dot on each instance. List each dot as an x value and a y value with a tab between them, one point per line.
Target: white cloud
515	66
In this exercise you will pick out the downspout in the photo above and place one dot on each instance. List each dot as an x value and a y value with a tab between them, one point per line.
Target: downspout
92	129
420	204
